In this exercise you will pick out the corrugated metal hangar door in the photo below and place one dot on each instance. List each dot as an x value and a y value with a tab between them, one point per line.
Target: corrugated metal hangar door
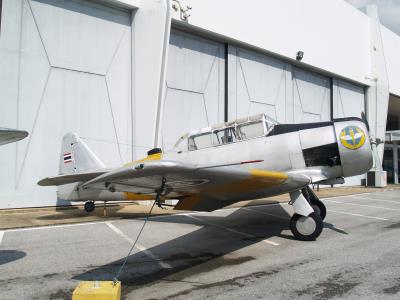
348	99
64	66
259	83
194	95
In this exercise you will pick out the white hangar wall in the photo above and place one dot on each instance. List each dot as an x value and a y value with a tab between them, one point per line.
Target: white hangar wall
64	66
194	86
100	68
334	36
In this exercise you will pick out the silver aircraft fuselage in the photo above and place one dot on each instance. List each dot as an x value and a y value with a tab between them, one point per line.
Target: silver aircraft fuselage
321	152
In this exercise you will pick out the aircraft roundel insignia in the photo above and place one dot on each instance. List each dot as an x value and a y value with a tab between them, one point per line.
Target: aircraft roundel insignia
352	137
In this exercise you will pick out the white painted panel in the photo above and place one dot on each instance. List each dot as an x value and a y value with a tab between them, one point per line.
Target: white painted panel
50	99
118	81
78	34
257	85
11	24
72	103
183	112
348	99
194	86
310	96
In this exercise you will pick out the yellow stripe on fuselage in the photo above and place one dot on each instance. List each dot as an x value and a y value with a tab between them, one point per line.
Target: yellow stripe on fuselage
139	197
156	156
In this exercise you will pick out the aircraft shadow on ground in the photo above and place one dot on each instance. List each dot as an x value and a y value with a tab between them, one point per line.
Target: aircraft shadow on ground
188	254
73	212
7	256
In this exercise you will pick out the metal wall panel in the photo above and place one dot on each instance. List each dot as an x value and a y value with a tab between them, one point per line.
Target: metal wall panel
194	95
311	97
262	84
348	99
64	66
257	84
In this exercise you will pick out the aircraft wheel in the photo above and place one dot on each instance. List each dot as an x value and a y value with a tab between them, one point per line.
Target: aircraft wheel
319	208
89	206
306	228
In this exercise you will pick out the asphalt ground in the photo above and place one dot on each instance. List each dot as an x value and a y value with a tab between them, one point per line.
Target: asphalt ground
246	252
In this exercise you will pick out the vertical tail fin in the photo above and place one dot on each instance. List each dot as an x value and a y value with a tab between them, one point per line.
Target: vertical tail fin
76	156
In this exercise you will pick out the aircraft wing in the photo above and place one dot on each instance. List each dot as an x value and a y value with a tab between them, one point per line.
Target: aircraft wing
202	188
11	135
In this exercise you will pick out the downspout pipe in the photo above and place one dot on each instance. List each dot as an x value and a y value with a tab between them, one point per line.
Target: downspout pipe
161	86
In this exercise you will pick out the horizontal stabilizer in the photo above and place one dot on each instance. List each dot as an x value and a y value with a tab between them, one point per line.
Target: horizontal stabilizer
70	178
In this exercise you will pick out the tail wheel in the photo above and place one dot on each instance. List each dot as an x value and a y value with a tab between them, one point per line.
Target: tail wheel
89	206
306	228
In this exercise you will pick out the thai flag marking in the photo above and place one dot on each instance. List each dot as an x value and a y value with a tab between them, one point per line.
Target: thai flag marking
67	157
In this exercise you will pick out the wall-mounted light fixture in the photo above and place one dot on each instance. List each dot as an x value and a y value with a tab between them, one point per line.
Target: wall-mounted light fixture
184	12
299	55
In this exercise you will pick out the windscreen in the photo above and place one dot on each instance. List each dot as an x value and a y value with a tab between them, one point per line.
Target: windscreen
251	130
200	141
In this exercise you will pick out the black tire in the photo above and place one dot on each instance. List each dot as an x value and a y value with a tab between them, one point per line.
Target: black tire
299	225
319	208
89	206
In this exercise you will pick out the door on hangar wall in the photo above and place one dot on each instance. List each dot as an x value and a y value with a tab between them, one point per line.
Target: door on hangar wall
194	94
348	99
70	63
311	97
262	84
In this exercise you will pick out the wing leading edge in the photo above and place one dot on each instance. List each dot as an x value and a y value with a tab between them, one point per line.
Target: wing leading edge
201	189
197	188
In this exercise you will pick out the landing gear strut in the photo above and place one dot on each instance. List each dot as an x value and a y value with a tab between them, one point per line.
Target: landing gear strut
89	206
314	201
305	224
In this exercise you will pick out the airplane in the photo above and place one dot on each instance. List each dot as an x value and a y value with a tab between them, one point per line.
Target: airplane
210	168
11	135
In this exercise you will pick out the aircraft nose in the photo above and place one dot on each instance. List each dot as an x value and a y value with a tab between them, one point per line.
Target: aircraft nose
354	146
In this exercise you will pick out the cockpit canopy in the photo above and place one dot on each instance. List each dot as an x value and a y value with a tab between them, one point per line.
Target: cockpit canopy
226	133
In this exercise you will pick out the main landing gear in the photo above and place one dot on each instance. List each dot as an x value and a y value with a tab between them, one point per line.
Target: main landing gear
306	224
89	206
314	201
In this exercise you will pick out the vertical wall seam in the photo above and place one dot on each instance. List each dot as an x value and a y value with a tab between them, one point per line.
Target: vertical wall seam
226	83
38	30
113	120
33	129
21	23
132	86
331	97
116	51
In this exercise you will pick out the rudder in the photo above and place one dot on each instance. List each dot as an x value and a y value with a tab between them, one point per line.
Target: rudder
76	156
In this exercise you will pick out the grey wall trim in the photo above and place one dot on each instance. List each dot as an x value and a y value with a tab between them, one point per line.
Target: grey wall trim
226	83
331	85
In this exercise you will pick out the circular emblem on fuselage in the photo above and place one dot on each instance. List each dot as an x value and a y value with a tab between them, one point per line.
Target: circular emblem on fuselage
352	137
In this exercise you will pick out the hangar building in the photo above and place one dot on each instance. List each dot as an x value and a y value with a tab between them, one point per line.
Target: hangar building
128	75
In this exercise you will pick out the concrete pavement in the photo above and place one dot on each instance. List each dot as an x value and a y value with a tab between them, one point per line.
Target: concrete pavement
228	254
